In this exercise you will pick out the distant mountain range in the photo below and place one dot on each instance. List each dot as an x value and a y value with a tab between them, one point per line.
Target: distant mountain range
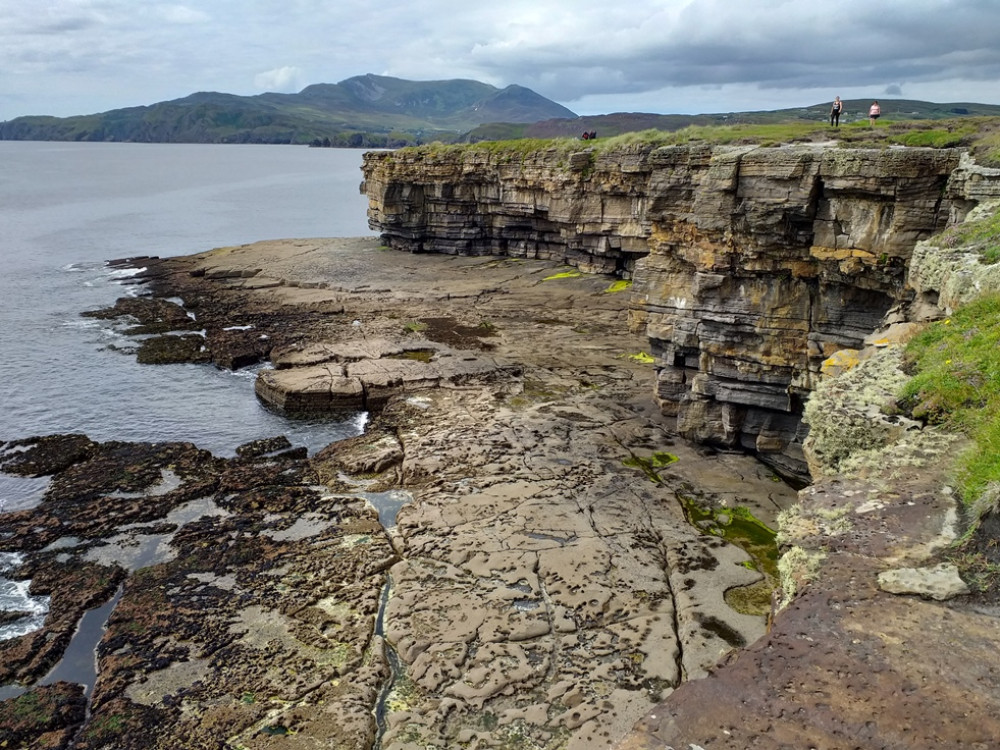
372	111
364	111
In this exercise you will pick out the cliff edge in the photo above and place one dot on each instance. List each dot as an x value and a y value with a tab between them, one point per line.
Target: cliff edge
767	279
749	266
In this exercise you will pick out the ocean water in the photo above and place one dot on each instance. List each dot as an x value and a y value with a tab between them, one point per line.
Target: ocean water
68	208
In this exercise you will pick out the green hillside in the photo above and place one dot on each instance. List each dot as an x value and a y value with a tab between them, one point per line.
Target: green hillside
364	111
372	111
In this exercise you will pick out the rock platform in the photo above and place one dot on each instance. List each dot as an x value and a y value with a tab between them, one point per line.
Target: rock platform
540	587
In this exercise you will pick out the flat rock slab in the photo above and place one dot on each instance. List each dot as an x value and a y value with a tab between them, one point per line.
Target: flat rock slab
545	587
845	666
365	383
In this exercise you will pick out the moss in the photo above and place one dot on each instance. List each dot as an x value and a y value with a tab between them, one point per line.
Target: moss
738	525
842	412
651	464
644	357
563	275
754	599
28	709
618	286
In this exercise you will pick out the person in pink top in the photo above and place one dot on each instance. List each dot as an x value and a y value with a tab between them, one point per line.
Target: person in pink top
874	112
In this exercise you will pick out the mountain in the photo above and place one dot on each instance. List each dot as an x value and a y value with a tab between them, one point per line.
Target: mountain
365	111
627	122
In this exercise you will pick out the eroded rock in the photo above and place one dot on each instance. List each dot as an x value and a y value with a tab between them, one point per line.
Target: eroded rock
544	584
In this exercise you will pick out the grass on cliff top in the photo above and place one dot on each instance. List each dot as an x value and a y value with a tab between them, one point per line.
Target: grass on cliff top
981	135
956	382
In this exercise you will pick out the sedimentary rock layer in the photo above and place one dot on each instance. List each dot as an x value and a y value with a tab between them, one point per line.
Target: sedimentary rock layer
750	265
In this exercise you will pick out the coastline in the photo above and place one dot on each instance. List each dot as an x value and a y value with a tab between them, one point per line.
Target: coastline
544	574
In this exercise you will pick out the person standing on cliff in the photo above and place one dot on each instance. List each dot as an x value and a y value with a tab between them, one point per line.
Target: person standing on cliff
835	110
874	112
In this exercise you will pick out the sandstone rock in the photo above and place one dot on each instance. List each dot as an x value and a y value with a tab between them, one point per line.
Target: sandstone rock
939	582
310	389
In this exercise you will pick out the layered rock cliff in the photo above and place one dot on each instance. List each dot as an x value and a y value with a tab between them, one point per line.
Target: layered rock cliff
750	266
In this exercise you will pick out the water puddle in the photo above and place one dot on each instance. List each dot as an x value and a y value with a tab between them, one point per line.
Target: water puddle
307	525
132	549
540	536
169	481
21	493
738	525
381	709
387	504
79	663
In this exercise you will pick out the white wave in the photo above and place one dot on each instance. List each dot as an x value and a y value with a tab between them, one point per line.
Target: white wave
14	597
82	322
78	267
124	273
10	560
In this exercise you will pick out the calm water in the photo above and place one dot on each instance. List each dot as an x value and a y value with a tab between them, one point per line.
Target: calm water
66	208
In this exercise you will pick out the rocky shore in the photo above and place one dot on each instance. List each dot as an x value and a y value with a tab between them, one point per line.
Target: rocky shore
516	553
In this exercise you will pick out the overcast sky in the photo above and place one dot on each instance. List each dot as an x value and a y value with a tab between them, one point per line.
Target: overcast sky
66	57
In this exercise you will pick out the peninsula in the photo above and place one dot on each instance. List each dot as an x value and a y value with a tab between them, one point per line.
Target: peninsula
587	372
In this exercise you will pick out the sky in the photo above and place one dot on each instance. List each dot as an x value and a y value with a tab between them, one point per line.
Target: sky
69	57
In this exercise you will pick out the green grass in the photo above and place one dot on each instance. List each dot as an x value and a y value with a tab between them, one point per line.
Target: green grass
957	383
933	138
982	235
980	135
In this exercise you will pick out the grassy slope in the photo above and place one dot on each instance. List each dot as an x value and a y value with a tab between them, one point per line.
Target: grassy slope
855	110
979	134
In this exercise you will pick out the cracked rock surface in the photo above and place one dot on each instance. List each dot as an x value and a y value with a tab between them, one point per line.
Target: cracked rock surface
542	586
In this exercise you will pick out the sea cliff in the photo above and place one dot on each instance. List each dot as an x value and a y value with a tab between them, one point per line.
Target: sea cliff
775	287
518	552
750	266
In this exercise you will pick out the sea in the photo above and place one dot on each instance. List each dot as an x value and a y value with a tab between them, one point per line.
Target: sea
66	209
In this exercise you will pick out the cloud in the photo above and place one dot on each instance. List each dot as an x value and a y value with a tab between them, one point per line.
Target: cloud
285	80
709	54
182	14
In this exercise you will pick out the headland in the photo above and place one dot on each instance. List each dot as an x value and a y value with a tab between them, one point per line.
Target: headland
531	545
